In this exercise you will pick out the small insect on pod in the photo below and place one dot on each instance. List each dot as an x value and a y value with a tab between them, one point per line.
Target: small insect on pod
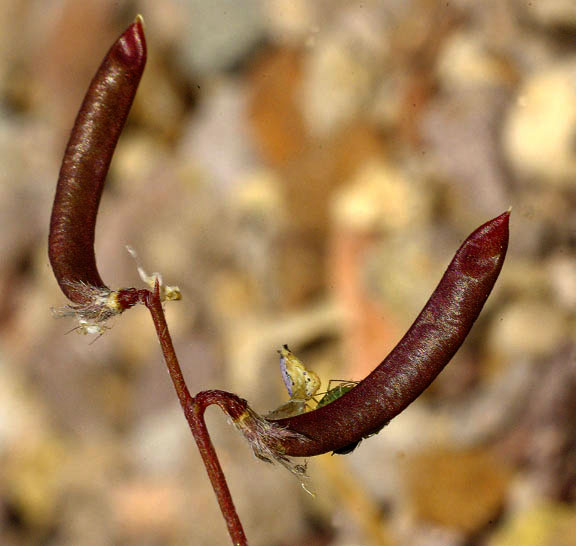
301	384
336	392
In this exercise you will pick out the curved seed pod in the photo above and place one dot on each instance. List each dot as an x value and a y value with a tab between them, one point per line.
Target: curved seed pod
419	357
86	160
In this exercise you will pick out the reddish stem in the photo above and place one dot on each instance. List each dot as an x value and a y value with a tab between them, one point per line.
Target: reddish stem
194	409
87	158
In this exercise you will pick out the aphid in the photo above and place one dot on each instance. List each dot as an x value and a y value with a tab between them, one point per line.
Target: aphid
336	392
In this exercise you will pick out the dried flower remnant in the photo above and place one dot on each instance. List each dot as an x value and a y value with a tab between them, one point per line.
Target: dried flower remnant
101	305
259	431
166	293
417	359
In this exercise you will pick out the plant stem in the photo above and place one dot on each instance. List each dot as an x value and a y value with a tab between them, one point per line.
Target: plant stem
198	426
194	412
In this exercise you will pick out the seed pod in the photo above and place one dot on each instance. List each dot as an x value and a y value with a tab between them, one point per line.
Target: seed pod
86	160
419	357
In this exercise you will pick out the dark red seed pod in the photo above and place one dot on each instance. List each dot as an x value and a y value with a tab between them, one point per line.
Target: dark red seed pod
86	160
418	358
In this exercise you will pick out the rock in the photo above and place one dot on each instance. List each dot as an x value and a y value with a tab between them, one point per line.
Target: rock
291	20
468	61
336	85
561	269
461	128
542	525
219	34
463	490
538	135
275	117
552	13
528	328
382	197
258	221
338	81
217	141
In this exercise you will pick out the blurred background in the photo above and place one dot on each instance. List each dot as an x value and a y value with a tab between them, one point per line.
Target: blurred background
304	171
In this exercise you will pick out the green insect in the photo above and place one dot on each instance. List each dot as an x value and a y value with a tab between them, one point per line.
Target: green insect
336	392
